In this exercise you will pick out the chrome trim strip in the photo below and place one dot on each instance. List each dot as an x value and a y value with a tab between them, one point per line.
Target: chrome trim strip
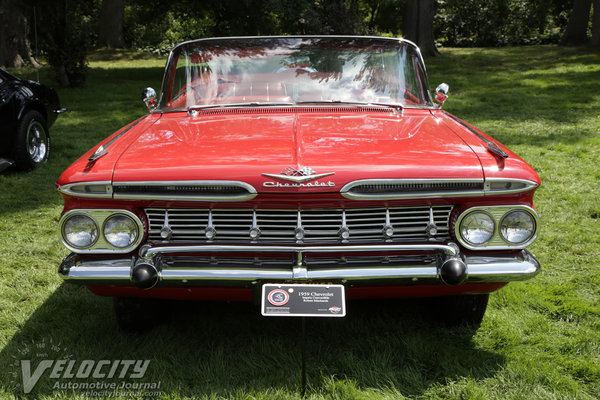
68	189
346	190
481	269
252	193
101	246
150	251
497	213
487	191
528	186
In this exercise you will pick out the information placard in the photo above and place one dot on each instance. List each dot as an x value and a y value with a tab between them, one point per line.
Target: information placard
302	300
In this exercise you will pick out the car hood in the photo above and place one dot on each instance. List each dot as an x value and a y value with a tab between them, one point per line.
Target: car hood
348	146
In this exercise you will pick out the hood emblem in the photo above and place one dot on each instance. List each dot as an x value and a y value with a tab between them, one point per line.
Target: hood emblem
302	175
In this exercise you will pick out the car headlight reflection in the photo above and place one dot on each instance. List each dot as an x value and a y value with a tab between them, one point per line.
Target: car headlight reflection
517	227
80	231
477	228
120	231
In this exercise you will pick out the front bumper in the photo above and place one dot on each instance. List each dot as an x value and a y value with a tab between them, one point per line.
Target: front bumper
425	264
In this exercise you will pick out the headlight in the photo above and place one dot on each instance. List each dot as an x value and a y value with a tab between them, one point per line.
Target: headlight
120	231
477	228
517	227
80	231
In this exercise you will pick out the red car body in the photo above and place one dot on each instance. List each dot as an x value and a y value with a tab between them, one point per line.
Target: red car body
351	145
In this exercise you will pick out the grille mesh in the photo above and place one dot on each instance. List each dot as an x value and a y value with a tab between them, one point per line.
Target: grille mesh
278	226
416	187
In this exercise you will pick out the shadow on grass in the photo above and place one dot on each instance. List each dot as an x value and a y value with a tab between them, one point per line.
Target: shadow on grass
221	349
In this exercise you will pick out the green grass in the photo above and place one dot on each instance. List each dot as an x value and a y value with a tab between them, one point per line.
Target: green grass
539	338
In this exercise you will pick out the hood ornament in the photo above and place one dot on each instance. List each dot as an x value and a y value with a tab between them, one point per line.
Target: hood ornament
302	175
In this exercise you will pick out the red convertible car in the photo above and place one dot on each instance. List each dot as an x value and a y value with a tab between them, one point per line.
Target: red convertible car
297	160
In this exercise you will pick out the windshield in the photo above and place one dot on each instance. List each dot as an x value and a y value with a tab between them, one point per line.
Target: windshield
291	70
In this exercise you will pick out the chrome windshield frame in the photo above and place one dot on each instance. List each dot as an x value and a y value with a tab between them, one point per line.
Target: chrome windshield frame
175	52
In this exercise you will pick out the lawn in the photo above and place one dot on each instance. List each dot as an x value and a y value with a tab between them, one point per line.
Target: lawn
540	339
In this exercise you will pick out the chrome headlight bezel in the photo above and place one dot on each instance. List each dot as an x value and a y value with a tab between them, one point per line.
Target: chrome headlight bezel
497	241
102	245
64	234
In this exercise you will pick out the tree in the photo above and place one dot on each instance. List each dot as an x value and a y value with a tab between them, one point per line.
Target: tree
14	45
111	24
596	25
577	27
65	34
418	25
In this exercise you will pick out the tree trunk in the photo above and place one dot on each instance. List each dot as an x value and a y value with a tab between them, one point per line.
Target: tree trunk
578	23
14	44
111	24
596	25
417	25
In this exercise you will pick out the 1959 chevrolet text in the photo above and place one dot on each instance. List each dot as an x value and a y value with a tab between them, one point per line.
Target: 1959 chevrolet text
288	160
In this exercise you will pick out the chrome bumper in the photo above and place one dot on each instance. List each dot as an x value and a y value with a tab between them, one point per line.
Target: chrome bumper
180	272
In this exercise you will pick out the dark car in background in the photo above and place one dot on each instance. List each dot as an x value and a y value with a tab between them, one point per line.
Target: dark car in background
27	110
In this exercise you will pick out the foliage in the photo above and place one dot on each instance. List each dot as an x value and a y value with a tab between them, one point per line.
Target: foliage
540	339
66	32
157	26
500	22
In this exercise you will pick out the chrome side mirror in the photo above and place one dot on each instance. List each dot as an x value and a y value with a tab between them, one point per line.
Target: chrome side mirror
441	93
149	98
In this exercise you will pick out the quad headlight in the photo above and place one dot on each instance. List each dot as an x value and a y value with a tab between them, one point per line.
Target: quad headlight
496	227
477	228
101	231
517	226
120	231
80	231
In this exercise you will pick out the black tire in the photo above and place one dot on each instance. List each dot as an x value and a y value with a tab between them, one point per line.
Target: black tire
138	314
467	309
32	143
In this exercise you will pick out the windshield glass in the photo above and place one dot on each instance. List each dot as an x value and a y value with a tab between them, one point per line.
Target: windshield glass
221	72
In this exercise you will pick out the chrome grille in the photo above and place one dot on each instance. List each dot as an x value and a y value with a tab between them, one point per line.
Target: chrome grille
280	226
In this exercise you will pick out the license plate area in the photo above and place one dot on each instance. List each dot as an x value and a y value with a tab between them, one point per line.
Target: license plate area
303	300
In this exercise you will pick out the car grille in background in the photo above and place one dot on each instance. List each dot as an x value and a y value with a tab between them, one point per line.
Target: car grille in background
281	226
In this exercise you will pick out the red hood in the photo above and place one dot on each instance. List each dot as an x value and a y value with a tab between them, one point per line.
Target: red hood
351	145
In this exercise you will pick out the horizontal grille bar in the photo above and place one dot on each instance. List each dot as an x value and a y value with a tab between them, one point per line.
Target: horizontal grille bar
305	226
289	262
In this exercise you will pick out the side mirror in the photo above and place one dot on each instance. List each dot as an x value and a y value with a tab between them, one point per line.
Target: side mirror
441	93
149	98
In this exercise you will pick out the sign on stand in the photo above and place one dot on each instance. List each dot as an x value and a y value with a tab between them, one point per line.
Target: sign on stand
301	300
